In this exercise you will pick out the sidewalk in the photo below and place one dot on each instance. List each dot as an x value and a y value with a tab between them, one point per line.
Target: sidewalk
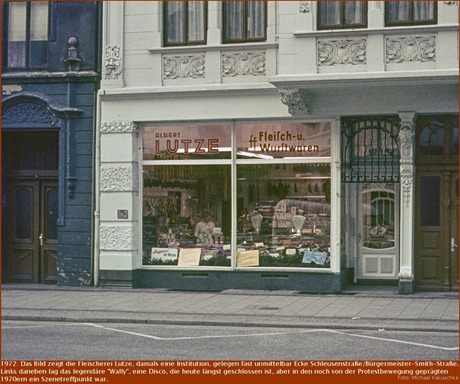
369	308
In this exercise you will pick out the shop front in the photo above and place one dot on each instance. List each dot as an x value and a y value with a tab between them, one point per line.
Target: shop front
238	204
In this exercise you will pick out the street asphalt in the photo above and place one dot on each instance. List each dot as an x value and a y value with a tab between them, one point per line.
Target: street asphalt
355	308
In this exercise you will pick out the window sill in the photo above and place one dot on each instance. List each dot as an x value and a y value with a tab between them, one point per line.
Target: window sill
236	269
219	47
378	31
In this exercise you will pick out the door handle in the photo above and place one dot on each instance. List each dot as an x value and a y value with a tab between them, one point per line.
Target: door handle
41	239
453	245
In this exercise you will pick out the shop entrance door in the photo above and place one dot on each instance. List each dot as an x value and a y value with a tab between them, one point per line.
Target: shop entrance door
32	230
436	234
377	231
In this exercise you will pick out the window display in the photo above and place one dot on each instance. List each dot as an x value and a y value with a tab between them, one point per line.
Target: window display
184	210
286	214
278	215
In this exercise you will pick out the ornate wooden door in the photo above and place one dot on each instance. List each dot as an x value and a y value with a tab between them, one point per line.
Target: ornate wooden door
32	231
436	203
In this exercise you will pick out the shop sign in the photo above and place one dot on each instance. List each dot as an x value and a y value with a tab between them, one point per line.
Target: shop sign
185	141
164	254
278	140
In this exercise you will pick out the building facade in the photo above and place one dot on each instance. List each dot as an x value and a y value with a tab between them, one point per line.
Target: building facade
278	145
50	77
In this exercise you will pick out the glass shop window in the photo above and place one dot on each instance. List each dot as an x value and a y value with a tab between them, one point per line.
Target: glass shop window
265	202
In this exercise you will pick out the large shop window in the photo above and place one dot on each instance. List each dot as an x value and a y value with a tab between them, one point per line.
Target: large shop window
237	195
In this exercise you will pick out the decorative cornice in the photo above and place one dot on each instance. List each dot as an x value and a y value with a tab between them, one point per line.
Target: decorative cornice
29	113
340	52
119	127
112	62
297	102
119	179
243	64
35	104
410	49
184	67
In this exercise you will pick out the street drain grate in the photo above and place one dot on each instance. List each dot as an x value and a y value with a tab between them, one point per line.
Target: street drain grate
268	308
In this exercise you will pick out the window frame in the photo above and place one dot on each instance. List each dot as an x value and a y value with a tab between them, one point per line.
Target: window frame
448	141
343	24
5	39
185	38
234	163
245	38
411	21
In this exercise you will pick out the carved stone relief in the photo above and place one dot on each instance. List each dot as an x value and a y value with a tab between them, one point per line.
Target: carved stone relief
119	127
28	113
406	185
184	67
410	49
406	139
297	102
406	136
304	7
119	179
243	64
112	62
338	52
117	237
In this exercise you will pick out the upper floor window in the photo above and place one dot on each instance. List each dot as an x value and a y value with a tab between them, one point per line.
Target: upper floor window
27	34
342	14
244	21
184	23
410	12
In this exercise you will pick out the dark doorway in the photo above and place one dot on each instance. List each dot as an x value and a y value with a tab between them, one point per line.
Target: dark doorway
30	206
436	218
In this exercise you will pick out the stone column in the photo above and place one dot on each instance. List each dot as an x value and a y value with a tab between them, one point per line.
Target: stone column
406	222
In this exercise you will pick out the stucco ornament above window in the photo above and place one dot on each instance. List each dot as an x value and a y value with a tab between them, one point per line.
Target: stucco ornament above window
410	49
243	64
119	127
296	101
340	52
184	67
113	62
29	113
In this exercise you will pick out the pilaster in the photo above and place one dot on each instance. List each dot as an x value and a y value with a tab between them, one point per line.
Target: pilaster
119	195
112	44
406	262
